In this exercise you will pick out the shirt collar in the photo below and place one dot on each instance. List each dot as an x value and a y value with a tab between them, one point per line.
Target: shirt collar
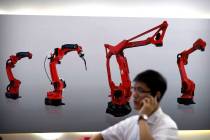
152	118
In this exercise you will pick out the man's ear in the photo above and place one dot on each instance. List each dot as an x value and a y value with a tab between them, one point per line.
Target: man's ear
158	95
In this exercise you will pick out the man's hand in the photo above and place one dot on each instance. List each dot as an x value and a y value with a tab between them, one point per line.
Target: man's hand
150	104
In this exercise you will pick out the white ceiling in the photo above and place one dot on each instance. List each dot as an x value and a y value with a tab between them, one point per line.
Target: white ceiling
121	8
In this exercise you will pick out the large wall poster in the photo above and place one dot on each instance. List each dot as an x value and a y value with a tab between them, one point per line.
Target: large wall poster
86	94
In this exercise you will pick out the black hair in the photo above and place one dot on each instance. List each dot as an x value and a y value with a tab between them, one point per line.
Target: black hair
154	81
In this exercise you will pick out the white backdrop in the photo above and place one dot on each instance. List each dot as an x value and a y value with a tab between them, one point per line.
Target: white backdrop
86	94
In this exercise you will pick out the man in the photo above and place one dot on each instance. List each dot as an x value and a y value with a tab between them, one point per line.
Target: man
151	123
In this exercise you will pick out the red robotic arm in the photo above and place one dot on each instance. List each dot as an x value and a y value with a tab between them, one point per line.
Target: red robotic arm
120	95
55	97
188	86
13	87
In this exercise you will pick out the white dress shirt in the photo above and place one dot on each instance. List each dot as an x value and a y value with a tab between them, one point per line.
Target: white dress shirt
162	127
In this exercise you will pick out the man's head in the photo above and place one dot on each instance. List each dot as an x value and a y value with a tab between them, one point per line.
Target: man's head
149	82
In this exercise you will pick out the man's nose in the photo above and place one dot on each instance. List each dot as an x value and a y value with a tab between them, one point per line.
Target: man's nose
135	94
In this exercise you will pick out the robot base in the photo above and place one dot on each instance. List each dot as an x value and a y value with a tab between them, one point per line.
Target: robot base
185	101
55	102
12	95
118	110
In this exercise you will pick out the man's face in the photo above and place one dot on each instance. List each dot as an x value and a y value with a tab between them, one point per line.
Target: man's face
140	91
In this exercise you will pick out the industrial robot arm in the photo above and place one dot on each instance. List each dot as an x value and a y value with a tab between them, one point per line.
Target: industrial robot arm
120	94
55	97
13	87
188	86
